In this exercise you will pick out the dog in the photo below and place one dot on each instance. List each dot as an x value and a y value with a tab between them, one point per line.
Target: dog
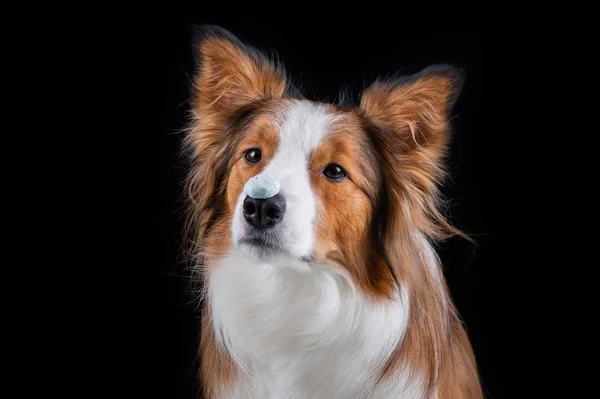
313	228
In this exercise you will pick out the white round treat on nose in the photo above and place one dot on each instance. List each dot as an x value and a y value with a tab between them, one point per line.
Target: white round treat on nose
261	187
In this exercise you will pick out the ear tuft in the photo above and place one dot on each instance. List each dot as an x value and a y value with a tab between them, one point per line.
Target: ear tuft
200	33
231	74
455	77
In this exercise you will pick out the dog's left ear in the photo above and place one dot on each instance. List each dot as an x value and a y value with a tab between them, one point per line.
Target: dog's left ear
415	109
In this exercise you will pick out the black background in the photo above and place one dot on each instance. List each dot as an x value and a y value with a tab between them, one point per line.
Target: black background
324	56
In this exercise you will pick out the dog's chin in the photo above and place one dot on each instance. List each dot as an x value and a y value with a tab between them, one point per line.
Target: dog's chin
261	249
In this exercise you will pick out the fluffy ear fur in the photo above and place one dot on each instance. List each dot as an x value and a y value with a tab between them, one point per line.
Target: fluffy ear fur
409	119
232	74
416	107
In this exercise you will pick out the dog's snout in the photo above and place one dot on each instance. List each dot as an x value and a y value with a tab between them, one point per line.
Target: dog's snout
264	213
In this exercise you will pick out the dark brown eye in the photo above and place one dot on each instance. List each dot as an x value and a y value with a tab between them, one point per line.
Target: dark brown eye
253	155
334	172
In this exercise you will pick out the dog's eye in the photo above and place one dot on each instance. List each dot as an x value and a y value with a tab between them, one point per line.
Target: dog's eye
334	172
253	155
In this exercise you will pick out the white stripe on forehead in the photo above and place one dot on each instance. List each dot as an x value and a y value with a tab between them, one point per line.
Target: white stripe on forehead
304	126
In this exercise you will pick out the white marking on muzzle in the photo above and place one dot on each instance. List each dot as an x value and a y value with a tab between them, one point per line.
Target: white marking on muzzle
262	186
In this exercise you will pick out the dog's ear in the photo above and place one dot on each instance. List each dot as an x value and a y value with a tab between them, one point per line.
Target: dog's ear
415	108
231	74
409	119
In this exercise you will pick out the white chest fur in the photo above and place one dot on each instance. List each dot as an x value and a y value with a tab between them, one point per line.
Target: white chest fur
303	333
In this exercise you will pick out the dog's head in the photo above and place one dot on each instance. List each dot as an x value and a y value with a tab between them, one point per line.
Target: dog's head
278	176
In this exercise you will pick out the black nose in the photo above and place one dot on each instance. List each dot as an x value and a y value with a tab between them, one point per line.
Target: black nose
264	213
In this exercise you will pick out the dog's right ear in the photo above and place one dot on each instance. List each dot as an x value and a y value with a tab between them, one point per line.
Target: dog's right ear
231	74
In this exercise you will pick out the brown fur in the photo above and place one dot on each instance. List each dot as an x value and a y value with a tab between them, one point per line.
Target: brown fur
410	128
392	146
342	228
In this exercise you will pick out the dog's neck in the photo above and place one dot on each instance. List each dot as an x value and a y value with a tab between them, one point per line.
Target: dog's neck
287	328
